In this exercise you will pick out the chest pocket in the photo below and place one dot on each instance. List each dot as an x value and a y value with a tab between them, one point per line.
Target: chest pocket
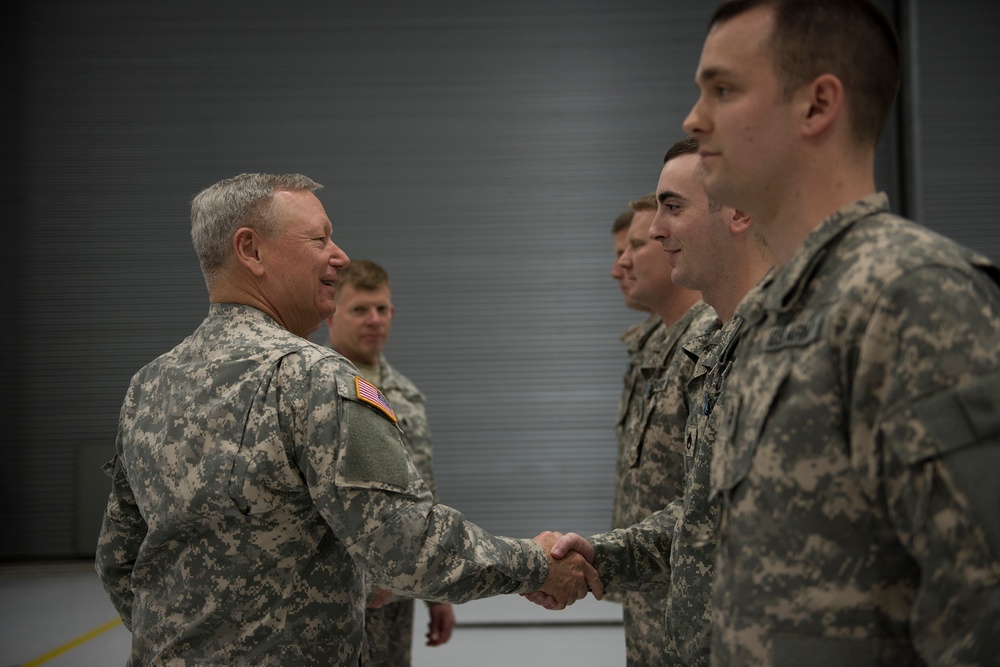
261	474
650	397
628	395
745	405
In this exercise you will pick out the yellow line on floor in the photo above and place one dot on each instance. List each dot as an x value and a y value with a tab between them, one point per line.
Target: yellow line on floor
76	642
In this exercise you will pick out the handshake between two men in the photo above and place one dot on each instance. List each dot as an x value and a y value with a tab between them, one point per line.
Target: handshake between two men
571	571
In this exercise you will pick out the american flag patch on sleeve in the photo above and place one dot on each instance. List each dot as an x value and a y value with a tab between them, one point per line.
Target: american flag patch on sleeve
369	393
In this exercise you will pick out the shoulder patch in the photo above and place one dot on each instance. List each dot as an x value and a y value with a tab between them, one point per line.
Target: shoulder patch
369	393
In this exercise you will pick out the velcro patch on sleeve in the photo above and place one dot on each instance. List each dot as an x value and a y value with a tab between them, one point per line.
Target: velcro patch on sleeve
374	455
369	393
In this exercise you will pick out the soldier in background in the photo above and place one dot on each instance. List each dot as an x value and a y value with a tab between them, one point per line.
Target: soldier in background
260	486
359	329
619	232
650	467
717	251
635	337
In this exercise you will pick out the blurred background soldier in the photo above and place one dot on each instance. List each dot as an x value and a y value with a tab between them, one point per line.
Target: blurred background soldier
359	330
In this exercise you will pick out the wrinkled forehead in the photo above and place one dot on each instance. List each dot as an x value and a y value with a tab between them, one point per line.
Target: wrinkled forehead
299	205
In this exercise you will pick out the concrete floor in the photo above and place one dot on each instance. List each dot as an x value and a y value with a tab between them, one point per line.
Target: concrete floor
56	615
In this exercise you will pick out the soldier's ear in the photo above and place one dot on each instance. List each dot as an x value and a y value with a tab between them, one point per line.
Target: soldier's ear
821	101
246	247
740	222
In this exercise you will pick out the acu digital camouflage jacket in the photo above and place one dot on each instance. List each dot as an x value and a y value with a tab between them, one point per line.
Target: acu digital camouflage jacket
859	523
258	490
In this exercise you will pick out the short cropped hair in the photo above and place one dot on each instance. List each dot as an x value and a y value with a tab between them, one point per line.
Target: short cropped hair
363	274
686	146
623	221
241	201
689	146
850	39
644	203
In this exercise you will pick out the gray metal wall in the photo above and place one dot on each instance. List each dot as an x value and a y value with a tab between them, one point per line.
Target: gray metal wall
479	152
958	89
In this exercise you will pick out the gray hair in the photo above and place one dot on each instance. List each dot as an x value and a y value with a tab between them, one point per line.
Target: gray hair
241	201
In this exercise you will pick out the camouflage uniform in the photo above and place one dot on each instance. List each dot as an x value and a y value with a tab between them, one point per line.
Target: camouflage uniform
635	338
258	492
857	455
651	465
650	334
389	629
674	549
695	533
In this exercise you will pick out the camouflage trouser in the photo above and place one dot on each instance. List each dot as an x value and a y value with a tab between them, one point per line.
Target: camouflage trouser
389	635
643	615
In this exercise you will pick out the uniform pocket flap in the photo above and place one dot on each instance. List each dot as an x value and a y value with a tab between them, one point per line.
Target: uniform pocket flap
945	422
741	424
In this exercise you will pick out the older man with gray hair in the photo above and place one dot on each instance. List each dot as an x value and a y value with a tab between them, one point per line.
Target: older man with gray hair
260	485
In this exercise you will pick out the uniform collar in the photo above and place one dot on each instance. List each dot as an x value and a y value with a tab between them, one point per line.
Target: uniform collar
789	282
241	311
639	334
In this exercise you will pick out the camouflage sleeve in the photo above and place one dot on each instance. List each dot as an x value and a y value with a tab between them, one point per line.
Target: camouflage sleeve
418	441
122	533
637	558
941	435
367	489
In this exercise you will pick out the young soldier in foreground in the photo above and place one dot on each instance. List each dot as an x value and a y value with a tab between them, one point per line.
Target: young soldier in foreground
860	520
